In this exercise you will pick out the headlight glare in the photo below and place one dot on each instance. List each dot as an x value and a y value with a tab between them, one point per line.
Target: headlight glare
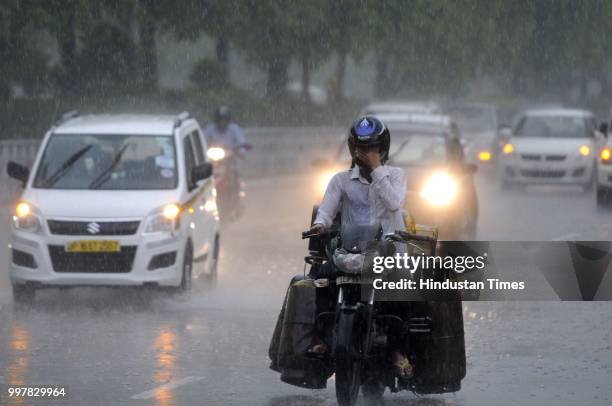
508	148
25	218
215	154
440	189
484	156
164	220
584	150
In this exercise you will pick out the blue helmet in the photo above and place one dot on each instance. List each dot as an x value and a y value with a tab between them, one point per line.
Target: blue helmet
369	131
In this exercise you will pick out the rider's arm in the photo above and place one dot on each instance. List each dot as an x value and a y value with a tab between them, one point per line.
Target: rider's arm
238	136
389	184
330	204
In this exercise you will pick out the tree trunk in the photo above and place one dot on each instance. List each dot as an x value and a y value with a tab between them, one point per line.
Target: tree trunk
66	39
339	74
222	50
148	47
305	78
277	78
382	77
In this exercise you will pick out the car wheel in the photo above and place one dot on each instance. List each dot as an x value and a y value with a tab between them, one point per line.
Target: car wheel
187	271
603	197
23	295
211	278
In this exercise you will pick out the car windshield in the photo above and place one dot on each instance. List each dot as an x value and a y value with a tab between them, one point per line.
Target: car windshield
108	162
552	127
417	149
474	119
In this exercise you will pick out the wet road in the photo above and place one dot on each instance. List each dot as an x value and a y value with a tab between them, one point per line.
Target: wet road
126	347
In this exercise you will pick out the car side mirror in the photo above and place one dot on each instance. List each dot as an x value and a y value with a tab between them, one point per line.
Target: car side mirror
603	128
18	171
470	168
201	172
321	163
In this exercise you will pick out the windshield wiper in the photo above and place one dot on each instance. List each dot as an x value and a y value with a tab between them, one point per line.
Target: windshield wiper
68	163
105	175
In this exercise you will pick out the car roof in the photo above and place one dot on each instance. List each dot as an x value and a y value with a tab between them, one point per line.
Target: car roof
405	120
400	106
558	112
141	124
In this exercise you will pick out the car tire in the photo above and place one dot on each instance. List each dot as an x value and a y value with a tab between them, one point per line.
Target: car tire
187	270
212	276
23	295
603	197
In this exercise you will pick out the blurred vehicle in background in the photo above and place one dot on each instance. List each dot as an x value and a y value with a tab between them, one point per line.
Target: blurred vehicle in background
555	146
440	184
316	94
479	132
115	200
228	184
604	168
401	107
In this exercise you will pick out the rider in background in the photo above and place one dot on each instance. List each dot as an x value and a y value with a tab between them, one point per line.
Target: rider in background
226	133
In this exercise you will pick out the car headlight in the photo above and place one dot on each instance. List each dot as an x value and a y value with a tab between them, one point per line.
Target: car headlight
26	218
164	220
440	189
215	154
605	155
484	156
584	150
508	148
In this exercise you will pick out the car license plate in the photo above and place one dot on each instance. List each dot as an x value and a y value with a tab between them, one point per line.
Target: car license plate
93	246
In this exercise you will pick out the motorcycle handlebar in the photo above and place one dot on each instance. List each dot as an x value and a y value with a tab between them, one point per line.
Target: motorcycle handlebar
415	237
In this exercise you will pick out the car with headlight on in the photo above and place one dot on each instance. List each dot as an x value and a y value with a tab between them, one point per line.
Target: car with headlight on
440	185
401	107
604	168
477	123
551	146
115	200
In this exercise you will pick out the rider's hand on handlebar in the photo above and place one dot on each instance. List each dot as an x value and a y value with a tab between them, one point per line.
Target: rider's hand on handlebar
317	229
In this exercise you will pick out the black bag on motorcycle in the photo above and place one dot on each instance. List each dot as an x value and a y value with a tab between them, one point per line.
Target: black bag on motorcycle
293	337
440	363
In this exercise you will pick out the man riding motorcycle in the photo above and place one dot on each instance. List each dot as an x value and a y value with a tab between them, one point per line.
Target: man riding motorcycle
226	143
226	133
370	192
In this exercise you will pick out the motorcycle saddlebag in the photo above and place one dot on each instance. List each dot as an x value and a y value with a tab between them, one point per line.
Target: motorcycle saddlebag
439	363
296	337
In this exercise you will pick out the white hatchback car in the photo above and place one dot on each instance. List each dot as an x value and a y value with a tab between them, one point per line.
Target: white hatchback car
551	146
116	200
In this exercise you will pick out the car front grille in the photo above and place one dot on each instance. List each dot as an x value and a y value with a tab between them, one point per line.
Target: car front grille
92	262
538	173
59	227
531	157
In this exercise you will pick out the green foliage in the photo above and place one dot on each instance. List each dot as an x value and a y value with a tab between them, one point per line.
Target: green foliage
209	74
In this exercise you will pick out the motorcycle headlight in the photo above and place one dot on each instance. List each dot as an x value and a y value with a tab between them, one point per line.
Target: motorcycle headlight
324	180
164	220
440	189
215	154
484	156
26	218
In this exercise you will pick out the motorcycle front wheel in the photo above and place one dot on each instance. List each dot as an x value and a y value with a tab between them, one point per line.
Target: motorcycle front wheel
348	360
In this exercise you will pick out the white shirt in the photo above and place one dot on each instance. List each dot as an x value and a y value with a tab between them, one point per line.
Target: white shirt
362	203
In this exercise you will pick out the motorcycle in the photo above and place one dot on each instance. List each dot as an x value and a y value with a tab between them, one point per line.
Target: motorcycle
358	328
229	186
